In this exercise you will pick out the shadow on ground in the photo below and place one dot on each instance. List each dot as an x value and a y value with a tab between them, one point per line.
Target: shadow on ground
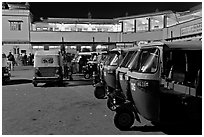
176	129
16	81
67	83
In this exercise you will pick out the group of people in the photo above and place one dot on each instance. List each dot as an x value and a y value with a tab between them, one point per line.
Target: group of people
20	60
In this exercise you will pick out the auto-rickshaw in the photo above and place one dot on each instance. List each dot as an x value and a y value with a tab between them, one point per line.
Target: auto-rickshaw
165	84
79	61
48	67
105	57
91	66
111	66
115	58
121	83
5	70
100	91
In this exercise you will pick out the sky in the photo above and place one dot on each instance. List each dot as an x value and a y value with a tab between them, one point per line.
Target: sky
103	10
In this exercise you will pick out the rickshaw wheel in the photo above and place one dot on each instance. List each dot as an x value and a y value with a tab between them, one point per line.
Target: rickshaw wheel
124	119
110	104
99	92
87	76
35	84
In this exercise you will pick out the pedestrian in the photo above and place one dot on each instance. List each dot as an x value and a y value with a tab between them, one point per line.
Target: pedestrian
25	59
11	61
30	59
67	66
21	59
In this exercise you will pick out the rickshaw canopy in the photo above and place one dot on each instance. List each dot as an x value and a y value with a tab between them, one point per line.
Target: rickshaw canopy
183	45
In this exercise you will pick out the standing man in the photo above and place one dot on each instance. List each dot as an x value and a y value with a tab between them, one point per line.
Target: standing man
11	60
25	59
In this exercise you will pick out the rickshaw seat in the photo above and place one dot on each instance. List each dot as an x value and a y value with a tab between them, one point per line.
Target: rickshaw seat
177	75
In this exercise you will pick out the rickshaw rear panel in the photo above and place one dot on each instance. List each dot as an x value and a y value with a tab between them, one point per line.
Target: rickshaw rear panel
47	67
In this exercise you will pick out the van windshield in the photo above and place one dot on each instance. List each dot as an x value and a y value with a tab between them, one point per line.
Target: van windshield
147	61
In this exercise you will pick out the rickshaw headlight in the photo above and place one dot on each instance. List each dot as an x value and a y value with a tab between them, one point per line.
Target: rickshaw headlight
57	71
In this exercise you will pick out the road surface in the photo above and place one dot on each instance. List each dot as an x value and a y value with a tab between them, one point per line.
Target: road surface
70	109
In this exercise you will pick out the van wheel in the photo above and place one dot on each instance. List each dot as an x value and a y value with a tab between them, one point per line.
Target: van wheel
124	119
87	76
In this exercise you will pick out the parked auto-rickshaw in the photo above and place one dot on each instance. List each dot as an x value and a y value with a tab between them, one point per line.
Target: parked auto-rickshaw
91	66
100	91
109	72
111	66
47	67
79	61
165	84
5	70
121	83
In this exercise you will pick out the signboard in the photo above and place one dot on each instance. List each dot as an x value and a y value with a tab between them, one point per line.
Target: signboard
192	29
47	60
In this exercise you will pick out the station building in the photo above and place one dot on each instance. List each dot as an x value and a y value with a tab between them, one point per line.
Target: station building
20	34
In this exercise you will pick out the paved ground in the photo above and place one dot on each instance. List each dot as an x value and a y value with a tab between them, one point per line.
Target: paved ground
70	109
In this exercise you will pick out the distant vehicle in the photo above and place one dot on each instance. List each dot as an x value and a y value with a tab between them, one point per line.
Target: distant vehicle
5	69
80	60
47	67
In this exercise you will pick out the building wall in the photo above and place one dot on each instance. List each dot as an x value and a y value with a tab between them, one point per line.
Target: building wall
74	36
18	39
192	27
143	36
15	15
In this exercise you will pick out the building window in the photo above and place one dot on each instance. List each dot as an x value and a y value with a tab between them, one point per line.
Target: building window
15	25
157	22
171	19
142	24
129	25
38	29
45	29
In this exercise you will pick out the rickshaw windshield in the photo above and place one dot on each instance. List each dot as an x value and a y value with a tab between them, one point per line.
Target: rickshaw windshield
114	60
127	59
110	58
47	61
147	61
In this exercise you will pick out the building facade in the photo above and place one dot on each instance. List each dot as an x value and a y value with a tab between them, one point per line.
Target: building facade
21	35
16	23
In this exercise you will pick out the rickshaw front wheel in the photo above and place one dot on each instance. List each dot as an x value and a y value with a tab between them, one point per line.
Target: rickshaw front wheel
124	119
35	84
